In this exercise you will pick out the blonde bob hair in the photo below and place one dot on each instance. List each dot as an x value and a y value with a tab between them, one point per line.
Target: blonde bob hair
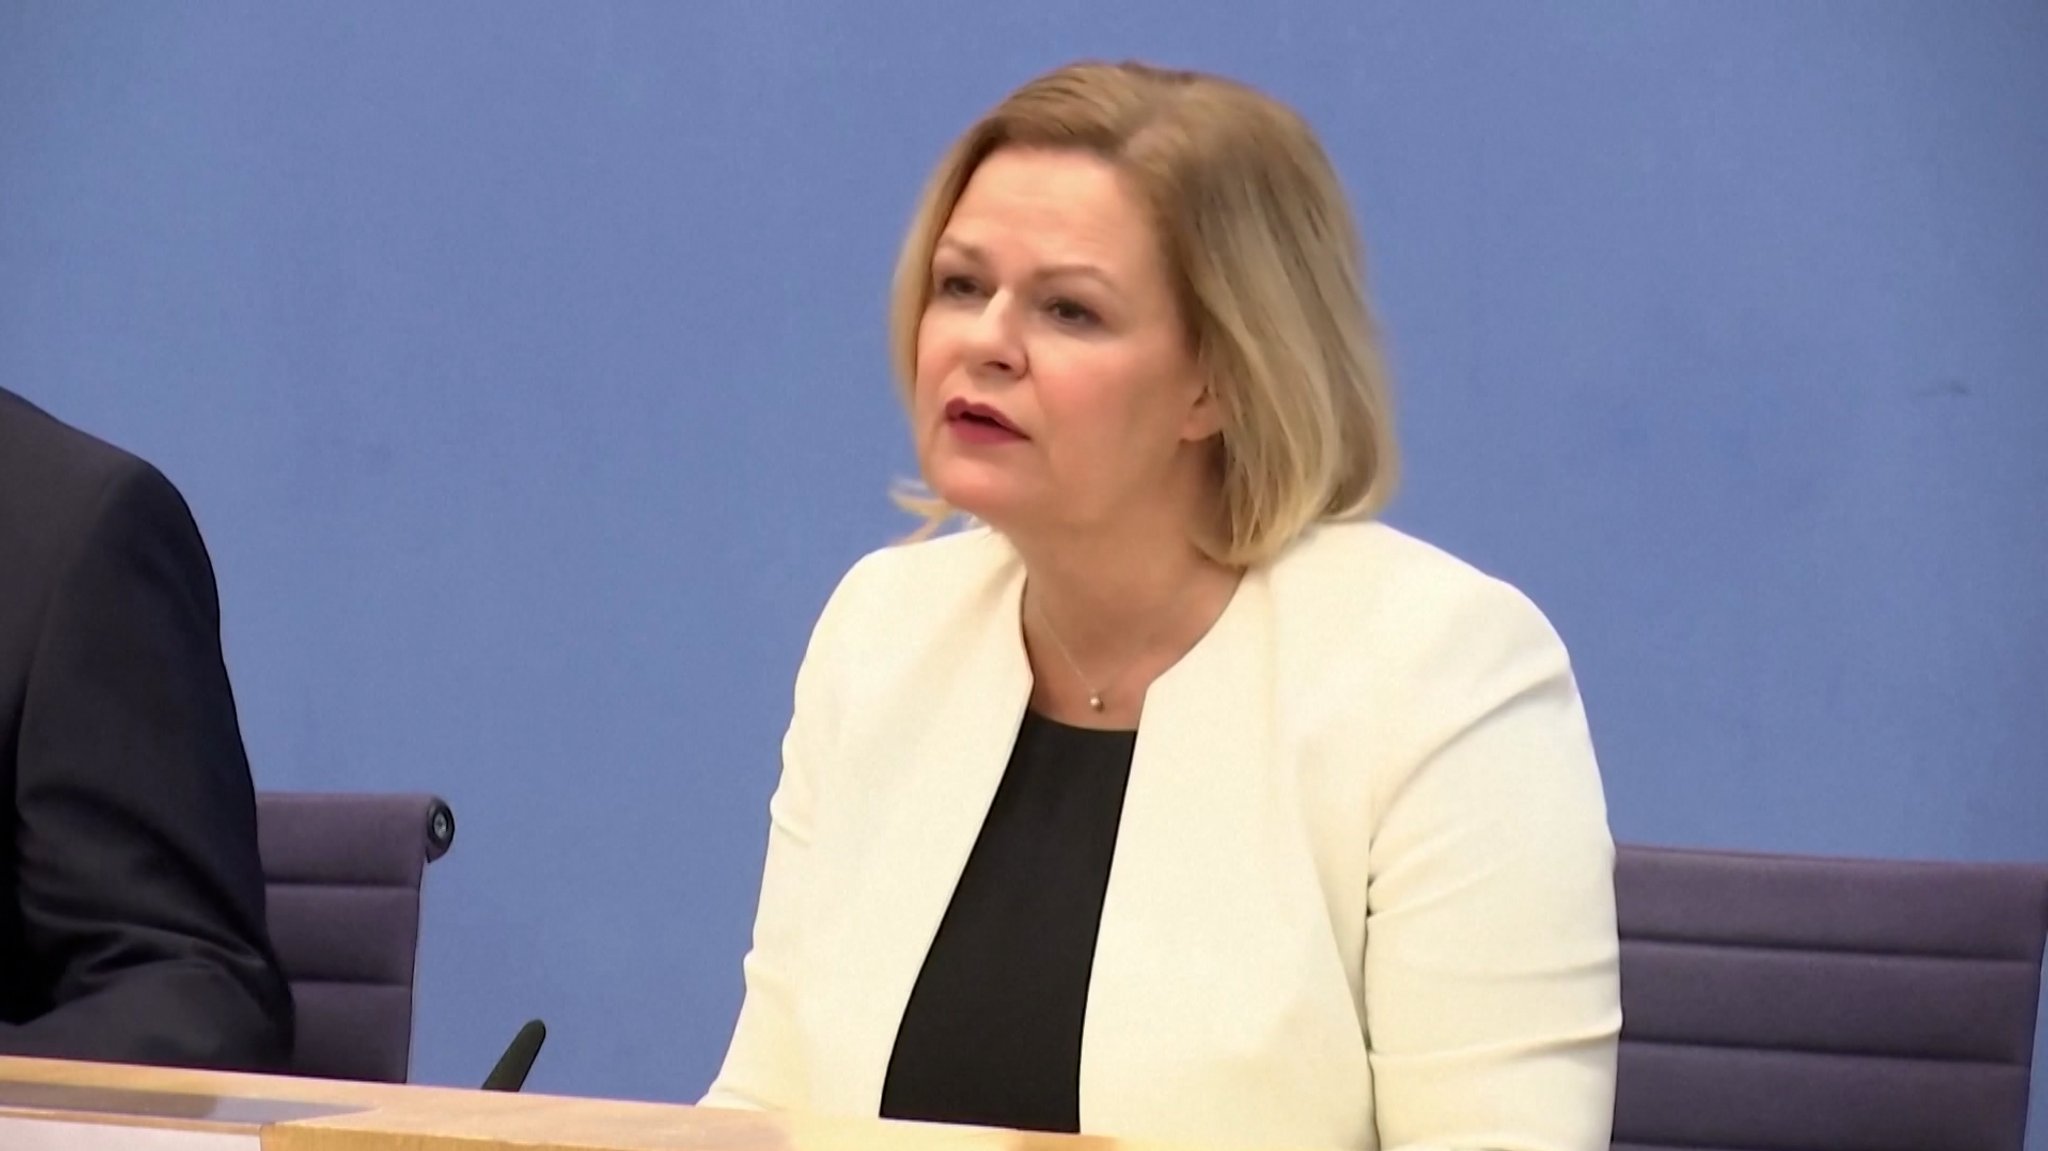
1260	247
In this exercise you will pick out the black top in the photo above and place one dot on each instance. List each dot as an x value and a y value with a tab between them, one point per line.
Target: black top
992	1032
131	892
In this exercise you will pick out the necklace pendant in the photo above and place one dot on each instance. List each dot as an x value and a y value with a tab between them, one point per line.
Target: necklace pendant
1095	702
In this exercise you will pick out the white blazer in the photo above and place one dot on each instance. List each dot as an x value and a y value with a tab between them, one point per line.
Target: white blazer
1362	893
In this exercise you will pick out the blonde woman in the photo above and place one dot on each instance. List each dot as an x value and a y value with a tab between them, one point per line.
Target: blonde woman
1175	797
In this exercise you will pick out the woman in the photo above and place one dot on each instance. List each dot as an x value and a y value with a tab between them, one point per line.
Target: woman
1178	799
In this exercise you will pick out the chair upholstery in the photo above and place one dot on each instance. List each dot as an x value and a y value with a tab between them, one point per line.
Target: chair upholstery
343	876
1783	1003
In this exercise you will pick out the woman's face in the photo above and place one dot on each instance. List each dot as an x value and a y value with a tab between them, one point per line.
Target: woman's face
1055	385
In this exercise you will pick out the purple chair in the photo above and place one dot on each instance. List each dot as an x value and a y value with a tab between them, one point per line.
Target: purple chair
343	874
1815	1004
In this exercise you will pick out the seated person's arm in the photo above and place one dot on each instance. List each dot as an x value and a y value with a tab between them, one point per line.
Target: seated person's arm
764	1063
1492	964
136	871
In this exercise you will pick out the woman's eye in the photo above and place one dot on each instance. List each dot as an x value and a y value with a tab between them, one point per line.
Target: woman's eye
958	286
1073	314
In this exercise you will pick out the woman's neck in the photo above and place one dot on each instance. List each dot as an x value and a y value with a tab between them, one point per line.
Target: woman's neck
1106	615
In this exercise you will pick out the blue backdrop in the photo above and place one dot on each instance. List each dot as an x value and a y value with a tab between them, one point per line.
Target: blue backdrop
525	365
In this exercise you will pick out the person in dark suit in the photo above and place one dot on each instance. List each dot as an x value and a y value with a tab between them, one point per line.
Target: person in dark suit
131	896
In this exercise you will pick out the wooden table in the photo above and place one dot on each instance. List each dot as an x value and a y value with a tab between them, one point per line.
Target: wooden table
112	1106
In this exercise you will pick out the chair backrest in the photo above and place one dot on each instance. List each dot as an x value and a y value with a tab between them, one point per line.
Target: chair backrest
1822	1004
343	876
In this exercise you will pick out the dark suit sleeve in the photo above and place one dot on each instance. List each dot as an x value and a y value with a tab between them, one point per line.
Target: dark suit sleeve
137	872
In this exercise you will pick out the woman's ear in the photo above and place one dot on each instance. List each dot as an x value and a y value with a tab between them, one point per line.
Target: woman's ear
1205	417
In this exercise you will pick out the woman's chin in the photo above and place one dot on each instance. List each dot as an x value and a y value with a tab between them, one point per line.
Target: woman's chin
986	498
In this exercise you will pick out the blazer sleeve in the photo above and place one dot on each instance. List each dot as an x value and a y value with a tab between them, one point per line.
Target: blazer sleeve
1491	976
137	875
764	1063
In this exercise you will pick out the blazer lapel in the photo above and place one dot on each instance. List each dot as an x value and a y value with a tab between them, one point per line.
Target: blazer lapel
1188	892
1217	1004
933	761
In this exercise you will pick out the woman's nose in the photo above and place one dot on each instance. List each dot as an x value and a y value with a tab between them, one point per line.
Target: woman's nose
993	346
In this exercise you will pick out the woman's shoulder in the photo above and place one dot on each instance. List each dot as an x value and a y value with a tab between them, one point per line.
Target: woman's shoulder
1367	559
1366	583
921	579
932	566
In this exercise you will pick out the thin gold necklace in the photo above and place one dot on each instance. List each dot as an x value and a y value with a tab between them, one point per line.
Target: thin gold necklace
1096	699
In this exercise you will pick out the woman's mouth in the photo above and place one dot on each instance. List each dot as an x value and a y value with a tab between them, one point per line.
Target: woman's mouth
981	424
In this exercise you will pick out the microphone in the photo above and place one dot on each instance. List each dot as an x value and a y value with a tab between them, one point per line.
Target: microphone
510	1073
